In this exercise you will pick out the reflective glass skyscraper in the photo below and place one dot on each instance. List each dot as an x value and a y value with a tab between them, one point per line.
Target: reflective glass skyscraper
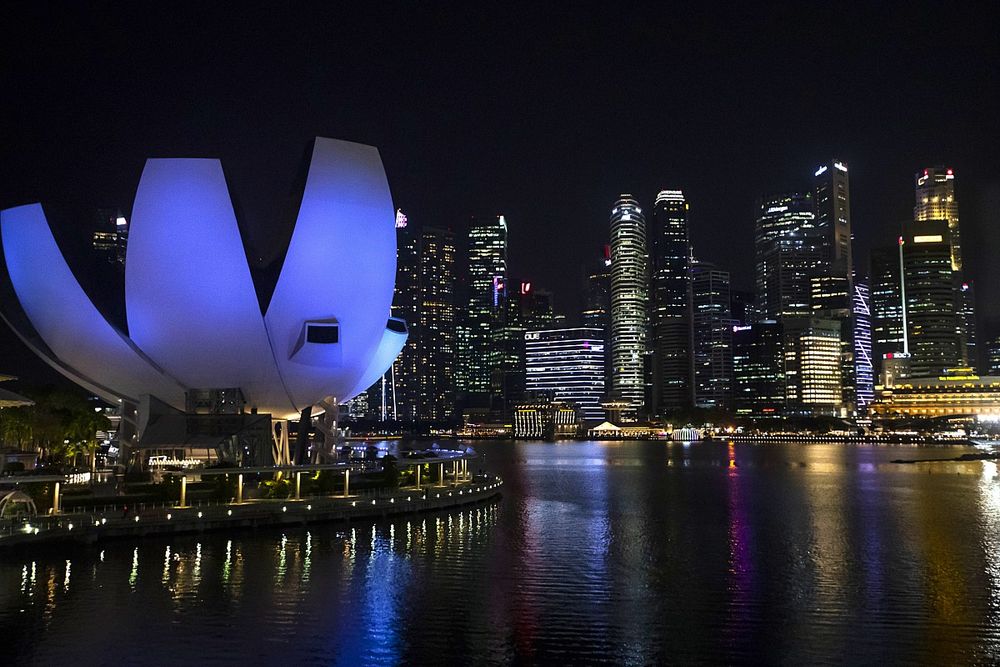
788	253
629	300
832	199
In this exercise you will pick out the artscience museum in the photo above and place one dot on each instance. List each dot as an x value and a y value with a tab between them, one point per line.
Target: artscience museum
198	340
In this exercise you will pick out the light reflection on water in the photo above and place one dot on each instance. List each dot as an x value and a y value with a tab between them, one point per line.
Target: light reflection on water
625	552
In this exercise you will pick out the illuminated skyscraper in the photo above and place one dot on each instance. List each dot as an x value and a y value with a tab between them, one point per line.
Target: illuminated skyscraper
759	369
487	247
435	365
813	365
597	307
832	199
568	364
935	200
420	385
670	301
864	370
788	252
713	336
993	357
629	300
932	312
886	304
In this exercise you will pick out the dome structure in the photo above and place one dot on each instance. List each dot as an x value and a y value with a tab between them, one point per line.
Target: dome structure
194	320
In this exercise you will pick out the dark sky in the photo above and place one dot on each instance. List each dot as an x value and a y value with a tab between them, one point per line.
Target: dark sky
544	114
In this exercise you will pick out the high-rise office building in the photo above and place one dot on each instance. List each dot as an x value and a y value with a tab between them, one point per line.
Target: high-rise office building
759	369
993	357
629	300
597	304
832	199
524	308
932	313
487	276
436	325
742	304
813	365
713	336
788	253
966	300
935	200
670	303
864	368
568	365
886	304
420	385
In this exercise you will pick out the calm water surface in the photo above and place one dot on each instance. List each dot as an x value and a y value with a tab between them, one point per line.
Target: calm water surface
636	553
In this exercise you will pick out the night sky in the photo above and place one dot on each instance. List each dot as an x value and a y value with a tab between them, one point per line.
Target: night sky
544	115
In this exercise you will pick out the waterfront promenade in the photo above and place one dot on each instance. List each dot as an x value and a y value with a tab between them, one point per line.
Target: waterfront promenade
170	519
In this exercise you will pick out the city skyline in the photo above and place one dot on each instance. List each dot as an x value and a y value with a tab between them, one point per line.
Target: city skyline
732	125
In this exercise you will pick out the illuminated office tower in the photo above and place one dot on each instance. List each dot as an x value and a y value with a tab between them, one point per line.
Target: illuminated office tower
629	301
436	325
420	384
813	365
670	304
759	369
886	304
864	368
832	199
487	271
713	336
935	200
568	365
932	313
788	253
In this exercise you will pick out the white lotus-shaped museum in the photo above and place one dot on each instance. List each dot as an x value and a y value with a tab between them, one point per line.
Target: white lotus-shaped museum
194	320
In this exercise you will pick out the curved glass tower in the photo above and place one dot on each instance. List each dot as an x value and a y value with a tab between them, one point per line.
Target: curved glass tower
629	300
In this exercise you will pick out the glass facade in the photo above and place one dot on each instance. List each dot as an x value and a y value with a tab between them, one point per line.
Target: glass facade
629	300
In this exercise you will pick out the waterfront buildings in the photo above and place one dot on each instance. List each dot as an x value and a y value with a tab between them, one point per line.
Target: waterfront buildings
932	314
435	326
487	283
545	418
671	314
629	300
955	392
712	336
568	364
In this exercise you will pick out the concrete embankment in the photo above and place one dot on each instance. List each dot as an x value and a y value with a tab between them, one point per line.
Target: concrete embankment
94	527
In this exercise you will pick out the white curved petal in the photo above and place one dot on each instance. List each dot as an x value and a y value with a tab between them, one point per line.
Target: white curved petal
340	268
388	349
95	353
189	296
